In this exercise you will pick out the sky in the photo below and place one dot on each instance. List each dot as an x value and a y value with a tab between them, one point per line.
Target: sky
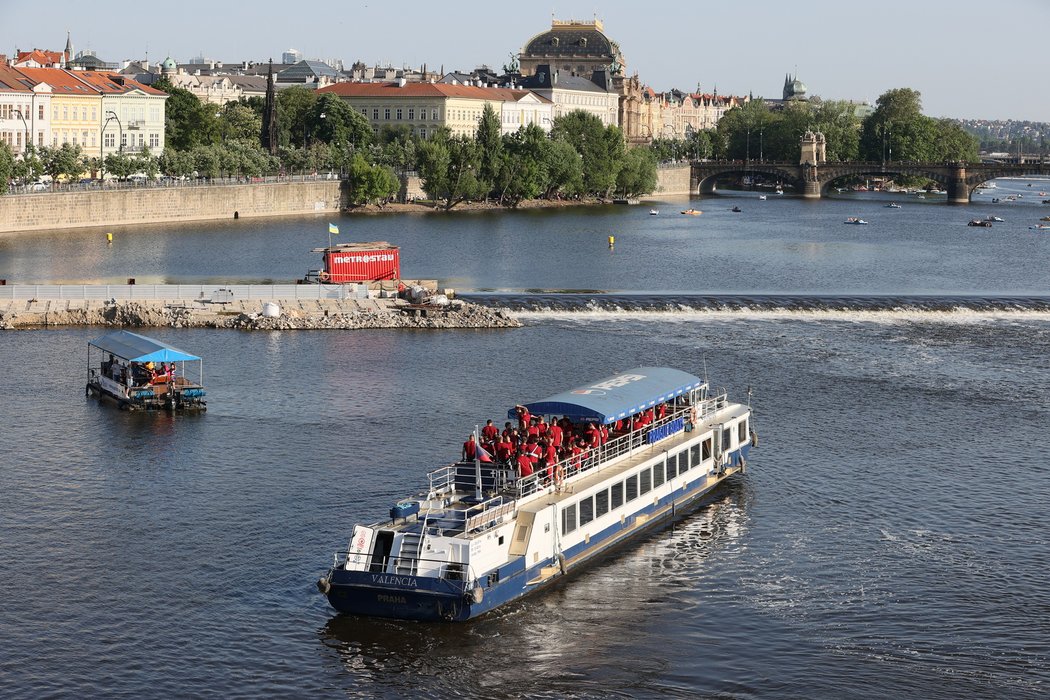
970	59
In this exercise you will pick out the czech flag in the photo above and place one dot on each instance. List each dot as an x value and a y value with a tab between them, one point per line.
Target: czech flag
332	228
483	454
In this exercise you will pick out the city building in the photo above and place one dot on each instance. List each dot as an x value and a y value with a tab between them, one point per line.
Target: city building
571	93
291	56
686	113
24	111
426	107
311	74
582	49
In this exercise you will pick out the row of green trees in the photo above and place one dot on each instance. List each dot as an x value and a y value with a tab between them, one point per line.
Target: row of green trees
895	130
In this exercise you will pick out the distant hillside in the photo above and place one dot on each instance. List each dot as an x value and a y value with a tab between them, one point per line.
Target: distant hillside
1009	136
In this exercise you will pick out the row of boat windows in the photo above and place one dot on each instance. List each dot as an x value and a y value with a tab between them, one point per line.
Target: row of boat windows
598	504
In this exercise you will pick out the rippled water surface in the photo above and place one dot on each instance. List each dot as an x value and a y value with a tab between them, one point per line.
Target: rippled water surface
888	539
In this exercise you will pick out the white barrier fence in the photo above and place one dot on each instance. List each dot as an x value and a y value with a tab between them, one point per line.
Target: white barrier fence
209	293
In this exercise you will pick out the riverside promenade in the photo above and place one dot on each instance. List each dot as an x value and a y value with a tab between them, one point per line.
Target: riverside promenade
262	307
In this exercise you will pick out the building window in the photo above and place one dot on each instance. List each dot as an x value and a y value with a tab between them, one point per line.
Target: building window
123	141
399	114
154	140
411	113
433	115
617	495
422	132
386	114
375	114
41	112
364	111
65	114
109	140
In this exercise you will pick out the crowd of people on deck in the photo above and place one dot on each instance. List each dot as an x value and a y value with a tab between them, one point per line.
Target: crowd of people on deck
548	448
138	373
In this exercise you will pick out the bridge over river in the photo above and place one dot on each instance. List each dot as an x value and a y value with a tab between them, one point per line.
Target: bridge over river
812	181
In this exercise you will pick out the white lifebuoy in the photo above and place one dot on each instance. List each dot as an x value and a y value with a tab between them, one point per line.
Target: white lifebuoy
323	275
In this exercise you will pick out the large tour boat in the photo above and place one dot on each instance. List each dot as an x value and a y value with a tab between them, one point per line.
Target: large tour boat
483	533
139	373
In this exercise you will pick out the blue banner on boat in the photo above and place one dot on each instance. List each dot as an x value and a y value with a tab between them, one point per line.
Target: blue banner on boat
666	430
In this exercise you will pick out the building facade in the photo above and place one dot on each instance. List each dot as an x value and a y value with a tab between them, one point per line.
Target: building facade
571	93
427	107
24	111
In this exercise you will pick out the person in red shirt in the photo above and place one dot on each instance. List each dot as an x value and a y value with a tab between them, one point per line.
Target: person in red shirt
662	412
504	449
524	465
470	449
524	417
534	428
592	435
507	429
489	432
603	434
551	456
555	433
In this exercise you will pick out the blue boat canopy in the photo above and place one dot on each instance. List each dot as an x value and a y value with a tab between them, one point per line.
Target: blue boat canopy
138	348
616	397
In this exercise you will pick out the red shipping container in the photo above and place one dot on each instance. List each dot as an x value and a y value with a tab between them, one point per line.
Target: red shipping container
361	262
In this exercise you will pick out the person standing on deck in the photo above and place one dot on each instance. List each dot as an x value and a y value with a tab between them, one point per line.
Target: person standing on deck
470	449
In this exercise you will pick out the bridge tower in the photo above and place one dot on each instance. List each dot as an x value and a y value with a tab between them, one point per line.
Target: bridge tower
958	189
814	153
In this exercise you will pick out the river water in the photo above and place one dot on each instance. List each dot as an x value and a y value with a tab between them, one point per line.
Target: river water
888	540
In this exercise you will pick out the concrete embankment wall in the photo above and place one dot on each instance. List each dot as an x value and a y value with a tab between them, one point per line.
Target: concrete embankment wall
673	180
63	210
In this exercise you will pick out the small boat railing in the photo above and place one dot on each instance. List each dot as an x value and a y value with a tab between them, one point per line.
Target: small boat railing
448	571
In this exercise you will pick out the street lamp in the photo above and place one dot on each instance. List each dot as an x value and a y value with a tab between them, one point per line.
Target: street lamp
120	130
110	116
761	136
22	117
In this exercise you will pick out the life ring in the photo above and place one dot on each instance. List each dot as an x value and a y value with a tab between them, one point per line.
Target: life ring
323	275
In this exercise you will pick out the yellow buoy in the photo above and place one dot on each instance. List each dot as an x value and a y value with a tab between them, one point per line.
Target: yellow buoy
109	238
612	241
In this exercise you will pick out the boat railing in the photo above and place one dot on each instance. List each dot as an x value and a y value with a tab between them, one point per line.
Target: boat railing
447	571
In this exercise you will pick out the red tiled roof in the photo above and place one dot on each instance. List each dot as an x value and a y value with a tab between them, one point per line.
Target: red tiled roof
40	56
12	80
418	90
114	83
62	82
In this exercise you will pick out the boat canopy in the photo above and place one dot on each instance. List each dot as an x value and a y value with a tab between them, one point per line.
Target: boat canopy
138	348
616	397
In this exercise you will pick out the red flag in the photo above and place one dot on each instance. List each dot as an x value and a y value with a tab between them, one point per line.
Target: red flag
483	454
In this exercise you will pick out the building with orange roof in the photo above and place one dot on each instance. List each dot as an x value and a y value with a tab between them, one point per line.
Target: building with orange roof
101	112
24	108
39	58
427	107
685	113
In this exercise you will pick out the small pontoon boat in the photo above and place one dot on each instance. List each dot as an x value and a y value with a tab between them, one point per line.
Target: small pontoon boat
140	373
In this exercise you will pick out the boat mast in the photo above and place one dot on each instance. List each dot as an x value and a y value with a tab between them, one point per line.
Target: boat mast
477	464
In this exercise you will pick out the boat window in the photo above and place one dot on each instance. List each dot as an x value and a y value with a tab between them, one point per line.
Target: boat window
617	495
707	449
601	503
672	466
727	437
645	484
658	474
683	461
586	510
632	487
741	431
568	519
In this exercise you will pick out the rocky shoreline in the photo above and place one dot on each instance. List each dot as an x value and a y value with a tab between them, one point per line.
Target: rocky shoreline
336	314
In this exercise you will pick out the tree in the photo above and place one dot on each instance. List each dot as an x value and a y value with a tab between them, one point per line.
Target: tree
239	122
333	121
368	184
601	147
490	145
564	168
119	165
638	173
7	166
188	122
449	166
62	161
295	105
522	172
175	163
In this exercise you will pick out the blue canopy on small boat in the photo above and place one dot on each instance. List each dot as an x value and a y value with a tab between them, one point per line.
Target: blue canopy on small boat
138	348
616	397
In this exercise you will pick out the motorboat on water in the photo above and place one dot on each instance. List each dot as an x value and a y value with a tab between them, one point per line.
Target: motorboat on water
140	373
1040	227
979	222
855	221
893	205
1045	218
648	445
993	219
692	212
654	212
736	209
761	196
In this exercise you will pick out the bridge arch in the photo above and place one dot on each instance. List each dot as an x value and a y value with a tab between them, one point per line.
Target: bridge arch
705	176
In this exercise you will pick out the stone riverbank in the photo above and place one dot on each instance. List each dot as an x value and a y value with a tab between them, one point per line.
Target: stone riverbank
301	314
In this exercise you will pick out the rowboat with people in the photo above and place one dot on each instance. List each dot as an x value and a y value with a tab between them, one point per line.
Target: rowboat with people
140	373
647	446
